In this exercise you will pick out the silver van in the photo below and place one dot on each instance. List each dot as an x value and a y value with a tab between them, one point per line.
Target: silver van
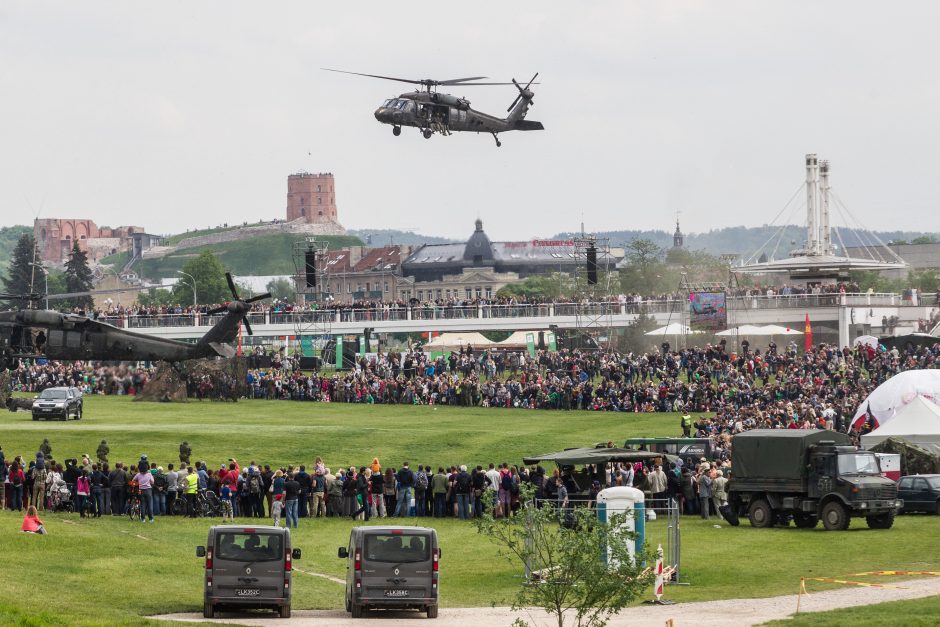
248	567
392	568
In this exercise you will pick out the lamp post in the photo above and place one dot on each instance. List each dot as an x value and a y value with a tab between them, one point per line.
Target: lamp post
193	279
45	275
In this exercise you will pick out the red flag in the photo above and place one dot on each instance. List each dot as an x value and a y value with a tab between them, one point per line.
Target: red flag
808	336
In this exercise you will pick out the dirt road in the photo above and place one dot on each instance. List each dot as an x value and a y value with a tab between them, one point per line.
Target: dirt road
710	613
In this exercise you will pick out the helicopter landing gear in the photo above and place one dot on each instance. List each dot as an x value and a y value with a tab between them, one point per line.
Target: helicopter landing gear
396	131
498	143
427	133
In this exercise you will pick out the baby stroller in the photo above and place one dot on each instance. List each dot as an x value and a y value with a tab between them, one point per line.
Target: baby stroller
60	499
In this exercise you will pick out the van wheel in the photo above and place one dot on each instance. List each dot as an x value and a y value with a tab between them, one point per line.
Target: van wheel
284	611
834	516
432	611
356	610
208	611
760	514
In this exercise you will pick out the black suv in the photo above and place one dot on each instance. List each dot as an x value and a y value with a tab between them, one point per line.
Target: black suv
921	493
59	403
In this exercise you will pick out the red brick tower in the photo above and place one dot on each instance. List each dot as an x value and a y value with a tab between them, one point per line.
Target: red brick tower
311	197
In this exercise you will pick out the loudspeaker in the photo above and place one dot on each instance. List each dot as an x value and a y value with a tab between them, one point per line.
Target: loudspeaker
310	268
592	265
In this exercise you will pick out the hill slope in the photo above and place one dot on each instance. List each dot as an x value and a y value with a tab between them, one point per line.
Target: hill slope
258	256
9	235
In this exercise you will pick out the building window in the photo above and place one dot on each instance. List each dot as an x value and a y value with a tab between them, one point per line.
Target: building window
479	293
489	292
468	292
319	200
318	188
438	293
386	287
303	200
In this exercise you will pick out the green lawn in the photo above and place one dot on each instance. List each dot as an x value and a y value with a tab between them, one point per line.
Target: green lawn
915	613
87	571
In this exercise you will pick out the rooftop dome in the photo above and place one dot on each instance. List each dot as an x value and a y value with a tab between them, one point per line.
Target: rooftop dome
478	248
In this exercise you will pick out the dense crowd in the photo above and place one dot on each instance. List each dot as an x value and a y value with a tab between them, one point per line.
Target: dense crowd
146	490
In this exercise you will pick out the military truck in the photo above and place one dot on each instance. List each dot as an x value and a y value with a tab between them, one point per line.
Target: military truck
777	474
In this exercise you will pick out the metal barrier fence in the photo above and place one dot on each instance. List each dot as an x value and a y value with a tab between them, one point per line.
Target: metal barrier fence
461	312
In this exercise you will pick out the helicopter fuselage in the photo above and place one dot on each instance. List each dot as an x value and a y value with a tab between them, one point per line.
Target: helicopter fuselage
434	112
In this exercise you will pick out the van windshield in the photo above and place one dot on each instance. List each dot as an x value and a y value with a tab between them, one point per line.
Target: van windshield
249	547
56	393
397	548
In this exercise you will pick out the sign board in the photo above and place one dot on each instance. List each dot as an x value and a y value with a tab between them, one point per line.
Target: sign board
708	311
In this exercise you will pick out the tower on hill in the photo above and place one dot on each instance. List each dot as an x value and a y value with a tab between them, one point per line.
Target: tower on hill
311	198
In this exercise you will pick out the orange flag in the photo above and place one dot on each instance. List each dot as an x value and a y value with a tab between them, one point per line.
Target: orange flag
808	336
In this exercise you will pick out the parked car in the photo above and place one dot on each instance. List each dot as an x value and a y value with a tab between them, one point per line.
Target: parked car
58	403
247	567
392	568
921	493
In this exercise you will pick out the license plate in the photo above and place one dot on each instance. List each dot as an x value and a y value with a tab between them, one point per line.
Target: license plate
247	592
396	593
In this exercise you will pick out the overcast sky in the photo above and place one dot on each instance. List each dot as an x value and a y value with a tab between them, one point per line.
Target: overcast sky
175	115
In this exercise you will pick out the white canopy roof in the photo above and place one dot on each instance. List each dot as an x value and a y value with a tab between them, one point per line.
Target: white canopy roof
754	330
456	341
917	422
674	328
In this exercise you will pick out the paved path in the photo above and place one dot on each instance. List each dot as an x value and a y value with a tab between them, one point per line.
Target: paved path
710	613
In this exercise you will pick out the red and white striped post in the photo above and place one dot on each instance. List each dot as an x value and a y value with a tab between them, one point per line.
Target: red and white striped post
658	586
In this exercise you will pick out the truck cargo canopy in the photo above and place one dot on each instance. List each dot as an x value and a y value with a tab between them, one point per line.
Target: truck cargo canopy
777	453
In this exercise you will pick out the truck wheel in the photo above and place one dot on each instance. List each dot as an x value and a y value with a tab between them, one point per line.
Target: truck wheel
356	610
805	521
881	521
284	611
834	516
208	610
432	611
760	514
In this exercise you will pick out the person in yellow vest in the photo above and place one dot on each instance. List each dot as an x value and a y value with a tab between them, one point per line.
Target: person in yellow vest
192	486
686	422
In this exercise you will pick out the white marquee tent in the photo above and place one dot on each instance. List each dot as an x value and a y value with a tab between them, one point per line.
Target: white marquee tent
890	397
918	422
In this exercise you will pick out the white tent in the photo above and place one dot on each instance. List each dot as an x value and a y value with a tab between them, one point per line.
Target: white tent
776	329
674	328
867	340
890	397
756	330
456	341
518	340
918	422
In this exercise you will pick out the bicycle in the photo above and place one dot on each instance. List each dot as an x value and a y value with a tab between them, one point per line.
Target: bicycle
133	507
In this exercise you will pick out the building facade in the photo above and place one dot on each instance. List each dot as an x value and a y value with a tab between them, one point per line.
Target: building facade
362	274
56	236
311	198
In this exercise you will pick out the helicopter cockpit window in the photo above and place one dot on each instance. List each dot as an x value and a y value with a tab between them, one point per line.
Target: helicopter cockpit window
389	102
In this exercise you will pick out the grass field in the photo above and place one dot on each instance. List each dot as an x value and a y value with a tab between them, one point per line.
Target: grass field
92	571
915	613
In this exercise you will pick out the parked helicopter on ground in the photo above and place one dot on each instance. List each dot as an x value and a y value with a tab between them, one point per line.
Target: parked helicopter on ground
433	112
37	333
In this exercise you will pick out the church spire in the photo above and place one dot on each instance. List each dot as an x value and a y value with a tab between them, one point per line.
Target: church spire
677	237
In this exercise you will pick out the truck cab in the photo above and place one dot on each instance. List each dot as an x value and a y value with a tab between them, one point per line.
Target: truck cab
808	476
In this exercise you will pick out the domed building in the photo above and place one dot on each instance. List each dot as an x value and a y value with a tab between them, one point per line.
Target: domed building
480	267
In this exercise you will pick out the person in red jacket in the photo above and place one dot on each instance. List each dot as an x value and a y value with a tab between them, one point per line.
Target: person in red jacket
17	479
31	522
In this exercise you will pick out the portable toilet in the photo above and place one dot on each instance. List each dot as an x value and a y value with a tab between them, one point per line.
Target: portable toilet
628	501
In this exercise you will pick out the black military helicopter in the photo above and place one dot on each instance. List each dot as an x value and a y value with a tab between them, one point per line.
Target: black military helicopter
433	112
32	333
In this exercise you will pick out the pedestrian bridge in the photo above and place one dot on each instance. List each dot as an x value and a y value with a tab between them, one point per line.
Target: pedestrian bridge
830	314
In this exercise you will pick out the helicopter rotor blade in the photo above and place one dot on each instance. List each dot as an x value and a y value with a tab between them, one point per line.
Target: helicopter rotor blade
231	285
217	310
247	326
455	81
532	80
387	78
256	298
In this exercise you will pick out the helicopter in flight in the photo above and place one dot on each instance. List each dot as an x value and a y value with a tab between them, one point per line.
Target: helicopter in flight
37	333
433	112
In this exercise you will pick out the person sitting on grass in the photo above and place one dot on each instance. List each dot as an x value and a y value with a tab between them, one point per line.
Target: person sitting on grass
31	522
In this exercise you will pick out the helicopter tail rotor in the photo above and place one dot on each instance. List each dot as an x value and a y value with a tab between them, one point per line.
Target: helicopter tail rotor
237	303
523	92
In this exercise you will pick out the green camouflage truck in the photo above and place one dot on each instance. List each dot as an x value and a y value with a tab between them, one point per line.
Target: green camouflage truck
809	475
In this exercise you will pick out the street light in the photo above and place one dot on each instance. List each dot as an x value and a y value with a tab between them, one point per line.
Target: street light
193	279
45	275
